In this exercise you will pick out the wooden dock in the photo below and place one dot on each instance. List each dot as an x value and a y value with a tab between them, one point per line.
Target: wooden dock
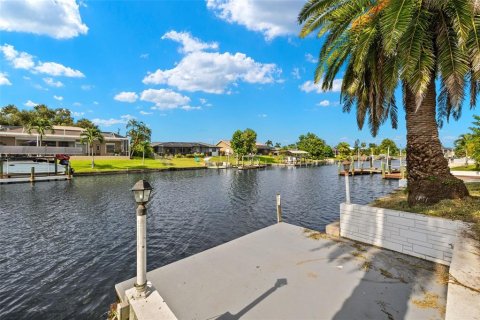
251	167
359	172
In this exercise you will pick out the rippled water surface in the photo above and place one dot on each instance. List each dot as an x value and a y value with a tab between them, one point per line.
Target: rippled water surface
64	245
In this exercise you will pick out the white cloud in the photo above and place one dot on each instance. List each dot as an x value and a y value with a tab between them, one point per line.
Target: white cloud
262	115
189	43
145	113
324	103
189	108
39	87
126	97
76	114
310	86
144	55
23	60
4	80
30	103
26	78
77	104
202	100
164	98
272	19
19	60
110	122
59	98
310	58
296	73
59	19
57	69
95	102
213	72
52	82
86	87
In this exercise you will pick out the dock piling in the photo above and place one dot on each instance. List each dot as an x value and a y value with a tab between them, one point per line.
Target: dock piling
32	174
279	209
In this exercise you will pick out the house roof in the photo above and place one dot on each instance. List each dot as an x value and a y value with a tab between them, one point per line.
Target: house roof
182	144
59	131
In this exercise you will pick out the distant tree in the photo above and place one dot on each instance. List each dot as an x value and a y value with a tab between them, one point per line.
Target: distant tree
146	149
343	149
372	148
269	143
278	145
62	117
388	145
363	148
9	116
138	132
315	146
356	146
89	136
43	112
237	143
250	137
474	142
40	125
244	142
85	123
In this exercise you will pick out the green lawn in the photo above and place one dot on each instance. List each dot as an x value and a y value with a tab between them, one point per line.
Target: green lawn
467	209
465	168
111	165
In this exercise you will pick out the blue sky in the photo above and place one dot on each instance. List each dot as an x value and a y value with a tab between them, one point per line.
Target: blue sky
192	70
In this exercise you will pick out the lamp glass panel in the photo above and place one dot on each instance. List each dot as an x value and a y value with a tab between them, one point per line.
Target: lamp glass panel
146	194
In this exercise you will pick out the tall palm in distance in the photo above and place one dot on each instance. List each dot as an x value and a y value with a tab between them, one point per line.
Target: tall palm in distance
384	43
41	126
89	136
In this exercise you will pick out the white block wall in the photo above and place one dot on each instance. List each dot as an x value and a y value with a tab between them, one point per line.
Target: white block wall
417	235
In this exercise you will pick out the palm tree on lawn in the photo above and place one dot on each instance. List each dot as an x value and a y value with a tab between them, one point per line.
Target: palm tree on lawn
41	126
89	136
382	43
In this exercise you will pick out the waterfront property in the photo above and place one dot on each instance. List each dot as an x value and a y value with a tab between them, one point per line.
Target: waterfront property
226	148
58	262
184	148
66	137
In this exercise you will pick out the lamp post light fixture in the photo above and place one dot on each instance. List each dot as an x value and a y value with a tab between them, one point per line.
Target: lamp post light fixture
346	168
141	191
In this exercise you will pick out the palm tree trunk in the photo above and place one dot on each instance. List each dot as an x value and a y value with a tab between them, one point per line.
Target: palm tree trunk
429	177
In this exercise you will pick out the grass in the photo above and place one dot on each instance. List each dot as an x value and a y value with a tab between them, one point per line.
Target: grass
467	209
471	167
130	164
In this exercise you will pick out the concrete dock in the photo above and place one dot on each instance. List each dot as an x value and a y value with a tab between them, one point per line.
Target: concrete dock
37	179
288	272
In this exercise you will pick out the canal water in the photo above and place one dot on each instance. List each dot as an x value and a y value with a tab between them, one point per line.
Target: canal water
64	245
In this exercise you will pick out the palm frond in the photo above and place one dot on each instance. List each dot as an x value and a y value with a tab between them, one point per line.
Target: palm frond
395	21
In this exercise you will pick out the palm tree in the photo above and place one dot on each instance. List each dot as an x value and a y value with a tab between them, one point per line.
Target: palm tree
144	145
89	136
40	125
465	143
382	43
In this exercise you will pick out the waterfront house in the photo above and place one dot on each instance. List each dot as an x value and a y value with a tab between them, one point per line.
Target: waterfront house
184	148
226	148
64	136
